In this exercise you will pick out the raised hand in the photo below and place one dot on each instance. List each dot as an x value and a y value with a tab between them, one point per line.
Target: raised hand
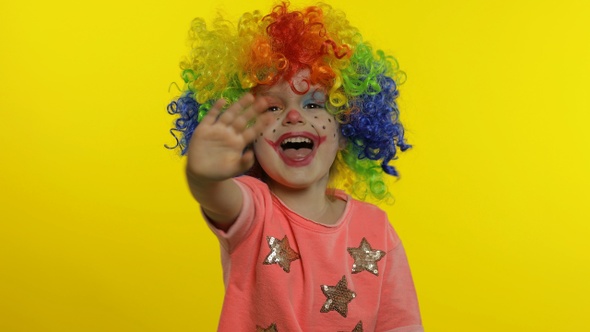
216	149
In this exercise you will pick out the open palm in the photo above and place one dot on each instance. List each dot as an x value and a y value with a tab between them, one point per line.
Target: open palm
216	150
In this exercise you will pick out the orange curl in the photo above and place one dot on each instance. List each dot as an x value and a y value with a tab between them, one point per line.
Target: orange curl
295	41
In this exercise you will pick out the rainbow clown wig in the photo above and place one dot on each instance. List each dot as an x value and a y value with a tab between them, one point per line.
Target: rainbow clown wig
226	61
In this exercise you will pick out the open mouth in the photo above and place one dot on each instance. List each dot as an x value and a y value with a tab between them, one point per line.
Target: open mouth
297	143
297	149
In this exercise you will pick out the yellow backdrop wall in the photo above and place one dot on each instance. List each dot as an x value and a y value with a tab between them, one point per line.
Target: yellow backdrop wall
99	233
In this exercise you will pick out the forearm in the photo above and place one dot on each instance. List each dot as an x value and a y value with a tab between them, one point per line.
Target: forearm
221	200
217	152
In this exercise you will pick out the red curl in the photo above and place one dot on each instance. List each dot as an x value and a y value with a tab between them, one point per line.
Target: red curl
295	41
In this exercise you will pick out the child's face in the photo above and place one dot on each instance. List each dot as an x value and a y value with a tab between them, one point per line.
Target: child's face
297	149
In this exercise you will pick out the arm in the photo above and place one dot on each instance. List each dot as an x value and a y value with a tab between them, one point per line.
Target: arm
216	155
398	309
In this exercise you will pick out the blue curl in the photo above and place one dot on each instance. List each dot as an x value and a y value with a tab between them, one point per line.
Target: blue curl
373	129
187	109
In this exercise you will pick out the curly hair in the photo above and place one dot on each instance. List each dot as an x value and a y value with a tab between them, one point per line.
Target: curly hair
226	61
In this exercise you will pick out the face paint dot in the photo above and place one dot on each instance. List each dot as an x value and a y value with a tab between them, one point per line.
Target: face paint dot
323	127
260	134
315	117
274	130
330	120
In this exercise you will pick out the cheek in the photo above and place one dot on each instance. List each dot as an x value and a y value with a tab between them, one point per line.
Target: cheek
262	144
259	138
327	125
268	131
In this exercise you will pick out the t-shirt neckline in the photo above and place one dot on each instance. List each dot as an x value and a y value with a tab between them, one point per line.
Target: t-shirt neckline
312	224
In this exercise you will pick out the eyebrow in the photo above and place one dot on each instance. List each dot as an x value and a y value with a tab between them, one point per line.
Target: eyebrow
317	95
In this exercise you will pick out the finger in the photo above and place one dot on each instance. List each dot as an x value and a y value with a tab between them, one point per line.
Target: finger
211	116
240	124
262	121
247	160
259	106
241	121
238	107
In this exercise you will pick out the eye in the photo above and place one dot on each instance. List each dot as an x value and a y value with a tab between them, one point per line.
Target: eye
314	106
273	109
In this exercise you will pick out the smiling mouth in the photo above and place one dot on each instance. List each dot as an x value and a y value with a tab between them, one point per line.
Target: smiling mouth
297	143
297	149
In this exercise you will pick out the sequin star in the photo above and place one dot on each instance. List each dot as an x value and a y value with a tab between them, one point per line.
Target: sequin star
365	258
338	297
271	328
358	327
280	253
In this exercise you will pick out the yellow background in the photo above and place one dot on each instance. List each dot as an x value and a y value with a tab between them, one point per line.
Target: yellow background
99	233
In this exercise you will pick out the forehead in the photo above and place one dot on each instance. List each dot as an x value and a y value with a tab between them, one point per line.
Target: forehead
299	85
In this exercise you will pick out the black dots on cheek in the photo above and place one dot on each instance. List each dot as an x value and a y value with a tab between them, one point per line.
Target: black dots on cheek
274	130
323	127
256	140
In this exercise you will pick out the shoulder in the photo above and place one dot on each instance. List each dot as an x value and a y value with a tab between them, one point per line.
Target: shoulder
250	181
368	209
252	185
257	194
371	219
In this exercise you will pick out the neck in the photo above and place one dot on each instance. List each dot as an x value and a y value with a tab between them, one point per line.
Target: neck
311	202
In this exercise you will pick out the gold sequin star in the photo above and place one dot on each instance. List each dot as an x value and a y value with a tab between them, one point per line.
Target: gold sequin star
280	253
271	328
365	258
338	297
358	327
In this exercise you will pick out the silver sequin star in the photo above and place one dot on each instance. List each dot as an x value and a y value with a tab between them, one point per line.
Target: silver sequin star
280	253
365	258
338	297
271	328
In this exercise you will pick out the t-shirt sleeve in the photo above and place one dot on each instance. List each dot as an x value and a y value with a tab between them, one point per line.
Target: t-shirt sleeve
243	225
398	308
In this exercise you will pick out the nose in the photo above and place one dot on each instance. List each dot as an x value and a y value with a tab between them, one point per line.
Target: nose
293	117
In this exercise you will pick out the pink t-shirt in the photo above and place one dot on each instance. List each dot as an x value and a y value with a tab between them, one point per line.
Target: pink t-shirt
283	272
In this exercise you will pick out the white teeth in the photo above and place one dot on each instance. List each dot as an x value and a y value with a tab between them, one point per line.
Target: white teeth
296	140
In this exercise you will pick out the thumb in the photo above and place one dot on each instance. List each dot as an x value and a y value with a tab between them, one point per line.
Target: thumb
247	160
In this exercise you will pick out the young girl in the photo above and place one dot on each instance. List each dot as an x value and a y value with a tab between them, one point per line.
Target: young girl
273	114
